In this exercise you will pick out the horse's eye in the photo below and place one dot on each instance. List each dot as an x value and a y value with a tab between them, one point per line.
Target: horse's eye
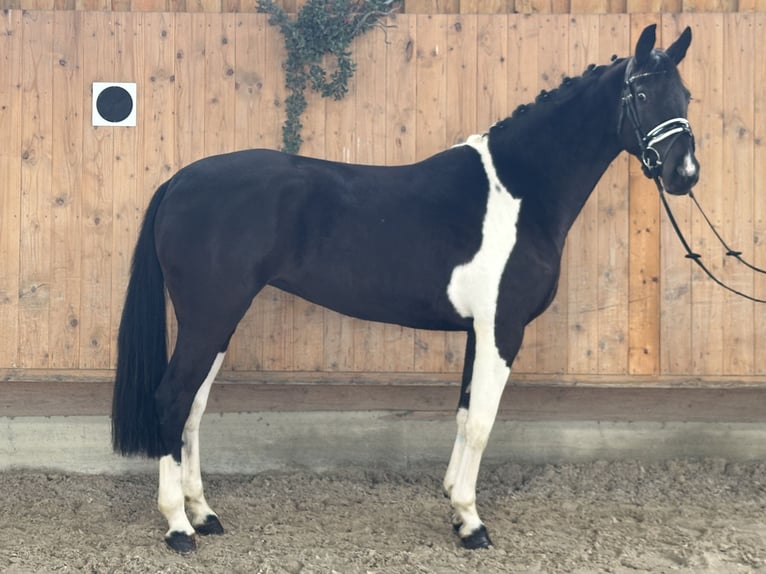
641	96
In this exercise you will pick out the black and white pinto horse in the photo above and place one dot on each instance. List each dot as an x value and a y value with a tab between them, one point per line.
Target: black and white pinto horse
467	240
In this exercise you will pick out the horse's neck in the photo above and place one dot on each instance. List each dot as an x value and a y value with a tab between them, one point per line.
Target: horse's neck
558	173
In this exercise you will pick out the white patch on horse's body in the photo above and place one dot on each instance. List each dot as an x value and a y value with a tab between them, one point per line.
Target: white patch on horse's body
473	290
179	482
474	286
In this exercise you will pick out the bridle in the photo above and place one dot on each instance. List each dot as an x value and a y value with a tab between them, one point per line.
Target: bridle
651	164
651	158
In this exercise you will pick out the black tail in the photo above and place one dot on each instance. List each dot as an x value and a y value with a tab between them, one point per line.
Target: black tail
142	354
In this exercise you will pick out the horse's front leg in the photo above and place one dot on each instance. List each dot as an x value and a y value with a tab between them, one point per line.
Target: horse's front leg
490	374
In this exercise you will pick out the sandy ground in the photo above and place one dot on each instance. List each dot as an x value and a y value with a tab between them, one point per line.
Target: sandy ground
678	516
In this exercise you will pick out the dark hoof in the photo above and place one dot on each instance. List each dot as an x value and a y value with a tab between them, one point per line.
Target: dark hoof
211	526
479	538
181	542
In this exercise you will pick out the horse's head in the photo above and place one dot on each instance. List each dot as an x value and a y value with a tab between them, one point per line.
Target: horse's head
652	122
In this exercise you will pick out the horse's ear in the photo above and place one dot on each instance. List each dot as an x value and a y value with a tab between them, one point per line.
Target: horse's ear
677	49
645	44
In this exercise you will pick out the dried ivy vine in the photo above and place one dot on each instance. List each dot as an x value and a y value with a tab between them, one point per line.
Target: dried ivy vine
323	30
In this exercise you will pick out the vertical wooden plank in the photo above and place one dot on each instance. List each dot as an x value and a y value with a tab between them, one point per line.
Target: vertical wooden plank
737	228
759	204
492	69
675	275
190	74
275	306
704	74
219	84
246	348
11	112
68	116
157	123
523	35
308	318
552	326
369	99
613	234
96	220
583	237
461	121
341	333
219	109
188	105
36	189
189	102
643	311
401	85
128	205
461	65
430	138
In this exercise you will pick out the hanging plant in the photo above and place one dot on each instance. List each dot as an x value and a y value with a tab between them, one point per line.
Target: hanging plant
322	31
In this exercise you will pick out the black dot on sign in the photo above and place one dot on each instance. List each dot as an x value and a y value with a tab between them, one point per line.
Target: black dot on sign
114	104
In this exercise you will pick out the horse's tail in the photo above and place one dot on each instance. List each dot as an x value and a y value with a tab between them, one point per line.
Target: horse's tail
142	354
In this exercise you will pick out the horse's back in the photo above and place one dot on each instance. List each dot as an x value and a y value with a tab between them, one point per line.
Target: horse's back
369	241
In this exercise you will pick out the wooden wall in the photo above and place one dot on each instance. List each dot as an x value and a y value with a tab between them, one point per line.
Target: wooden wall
629	306
410	6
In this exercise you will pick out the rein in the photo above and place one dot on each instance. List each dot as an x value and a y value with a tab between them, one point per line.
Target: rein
696	257
651	161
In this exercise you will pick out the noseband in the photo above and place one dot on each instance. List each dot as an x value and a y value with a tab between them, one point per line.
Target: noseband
651	158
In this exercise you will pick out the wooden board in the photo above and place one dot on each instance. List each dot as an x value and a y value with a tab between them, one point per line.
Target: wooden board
613	217
66	158
433	400
644	270
36	189
11	59
582	242
738	327
706	77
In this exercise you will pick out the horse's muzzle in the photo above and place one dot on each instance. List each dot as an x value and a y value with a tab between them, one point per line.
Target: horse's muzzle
681	175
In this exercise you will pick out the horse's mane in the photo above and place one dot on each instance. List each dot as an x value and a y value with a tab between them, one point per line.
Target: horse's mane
568	89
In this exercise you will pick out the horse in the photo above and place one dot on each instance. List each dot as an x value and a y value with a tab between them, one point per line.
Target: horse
469	239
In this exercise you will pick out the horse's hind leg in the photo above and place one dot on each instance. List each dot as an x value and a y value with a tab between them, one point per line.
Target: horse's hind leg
180	402
203	519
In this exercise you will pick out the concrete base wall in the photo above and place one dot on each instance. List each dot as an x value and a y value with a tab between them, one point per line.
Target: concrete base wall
255	442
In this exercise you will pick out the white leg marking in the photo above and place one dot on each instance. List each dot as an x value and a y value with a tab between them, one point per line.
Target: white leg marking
192	475
490	374
170	499
457	452
178	481
473	290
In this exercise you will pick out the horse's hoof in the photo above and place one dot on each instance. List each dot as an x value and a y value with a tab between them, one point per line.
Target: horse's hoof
211	526
181	542
479	538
